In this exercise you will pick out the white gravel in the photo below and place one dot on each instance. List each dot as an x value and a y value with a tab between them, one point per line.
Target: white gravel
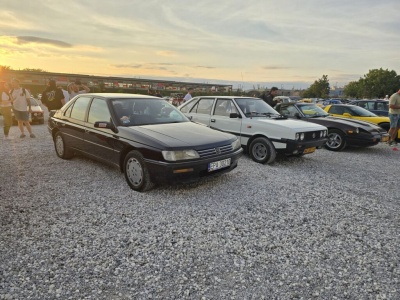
325	226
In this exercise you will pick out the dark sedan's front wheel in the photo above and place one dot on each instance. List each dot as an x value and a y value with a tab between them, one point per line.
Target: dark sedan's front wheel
61	147
336	140
136	173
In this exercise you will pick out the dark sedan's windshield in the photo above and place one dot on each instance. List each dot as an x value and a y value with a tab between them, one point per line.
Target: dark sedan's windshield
312	110
132	112
255	107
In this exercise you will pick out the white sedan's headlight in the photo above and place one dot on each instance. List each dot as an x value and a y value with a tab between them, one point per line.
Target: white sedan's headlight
297	136
180	155
236	144
302	136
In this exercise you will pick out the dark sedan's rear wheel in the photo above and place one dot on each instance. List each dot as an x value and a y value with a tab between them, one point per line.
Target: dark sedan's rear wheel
136	172
61	147
336	140
262	150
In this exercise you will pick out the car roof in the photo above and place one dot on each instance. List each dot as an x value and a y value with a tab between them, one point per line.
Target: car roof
120	96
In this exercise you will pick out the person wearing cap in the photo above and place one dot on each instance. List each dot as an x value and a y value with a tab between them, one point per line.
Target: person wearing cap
21	107
269	98
77	88
52	97
394	117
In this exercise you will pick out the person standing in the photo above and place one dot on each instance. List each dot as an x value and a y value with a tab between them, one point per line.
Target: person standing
21	107
394	117
269	98
52	97
188	96
66	94
6	106
77	88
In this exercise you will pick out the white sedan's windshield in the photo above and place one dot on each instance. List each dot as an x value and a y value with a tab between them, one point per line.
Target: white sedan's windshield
255	107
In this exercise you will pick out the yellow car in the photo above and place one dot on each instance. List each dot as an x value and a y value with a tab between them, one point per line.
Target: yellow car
358	113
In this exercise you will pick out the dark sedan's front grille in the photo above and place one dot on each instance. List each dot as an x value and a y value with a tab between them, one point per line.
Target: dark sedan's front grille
215	151
312	135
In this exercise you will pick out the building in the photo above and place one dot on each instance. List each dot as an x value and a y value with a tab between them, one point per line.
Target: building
37	81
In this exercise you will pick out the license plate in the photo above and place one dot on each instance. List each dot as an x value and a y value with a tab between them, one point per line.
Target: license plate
216	165
385	138
309	150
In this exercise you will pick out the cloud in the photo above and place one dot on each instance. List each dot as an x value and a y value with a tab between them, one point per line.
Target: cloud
275	68
205	67
21	40
166	53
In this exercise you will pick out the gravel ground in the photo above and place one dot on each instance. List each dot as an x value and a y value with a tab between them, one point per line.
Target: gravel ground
325	226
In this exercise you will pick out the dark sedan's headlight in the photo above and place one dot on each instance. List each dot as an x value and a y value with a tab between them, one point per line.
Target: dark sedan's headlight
236	144
353	131
180	155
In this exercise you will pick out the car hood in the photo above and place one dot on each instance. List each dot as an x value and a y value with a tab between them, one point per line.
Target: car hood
294	124
36	109
349	122
181	135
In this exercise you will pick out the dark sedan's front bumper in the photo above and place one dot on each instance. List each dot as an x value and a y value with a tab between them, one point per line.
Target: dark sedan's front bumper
189	171
366	140
295	147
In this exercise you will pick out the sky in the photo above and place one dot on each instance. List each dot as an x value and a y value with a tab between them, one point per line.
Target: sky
248	43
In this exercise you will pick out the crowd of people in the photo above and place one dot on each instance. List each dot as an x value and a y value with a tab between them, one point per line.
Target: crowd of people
16	100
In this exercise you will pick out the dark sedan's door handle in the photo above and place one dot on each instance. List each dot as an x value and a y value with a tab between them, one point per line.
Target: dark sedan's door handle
213	120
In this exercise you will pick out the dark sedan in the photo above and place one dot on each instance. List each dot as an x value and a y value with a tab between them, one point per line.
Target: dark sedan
146	137
377	106
341	132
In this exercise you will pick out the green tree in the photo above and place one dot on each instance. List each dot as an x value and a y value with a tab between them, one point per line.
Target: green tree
376	84
319	89
34	70
354	89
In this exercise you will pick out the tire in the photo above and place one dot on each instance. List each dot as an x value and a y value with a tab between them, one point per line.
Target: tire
385	126
61	147
136	173
262	150
336	140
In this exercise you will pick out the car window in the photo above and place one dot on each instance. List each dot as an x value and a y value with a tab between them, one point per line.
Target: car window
99	111
79	109
131	112
381	106
203	106
337	110
370	105
224	107
188	106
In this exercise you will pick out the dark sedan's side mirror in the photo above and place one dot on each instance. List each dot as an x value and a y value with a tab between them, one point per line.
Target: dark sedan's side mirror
104	124
234	115
297	115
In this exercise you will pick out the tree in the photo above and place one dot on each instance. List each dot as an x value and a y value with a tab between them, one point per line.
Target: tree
354	89
5	68
376	84
319	89
34	70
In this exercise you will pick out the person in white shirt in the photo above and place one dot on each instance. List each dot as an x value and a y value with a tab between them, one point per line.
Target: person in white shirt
6	106
66	94
21	107
188	96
